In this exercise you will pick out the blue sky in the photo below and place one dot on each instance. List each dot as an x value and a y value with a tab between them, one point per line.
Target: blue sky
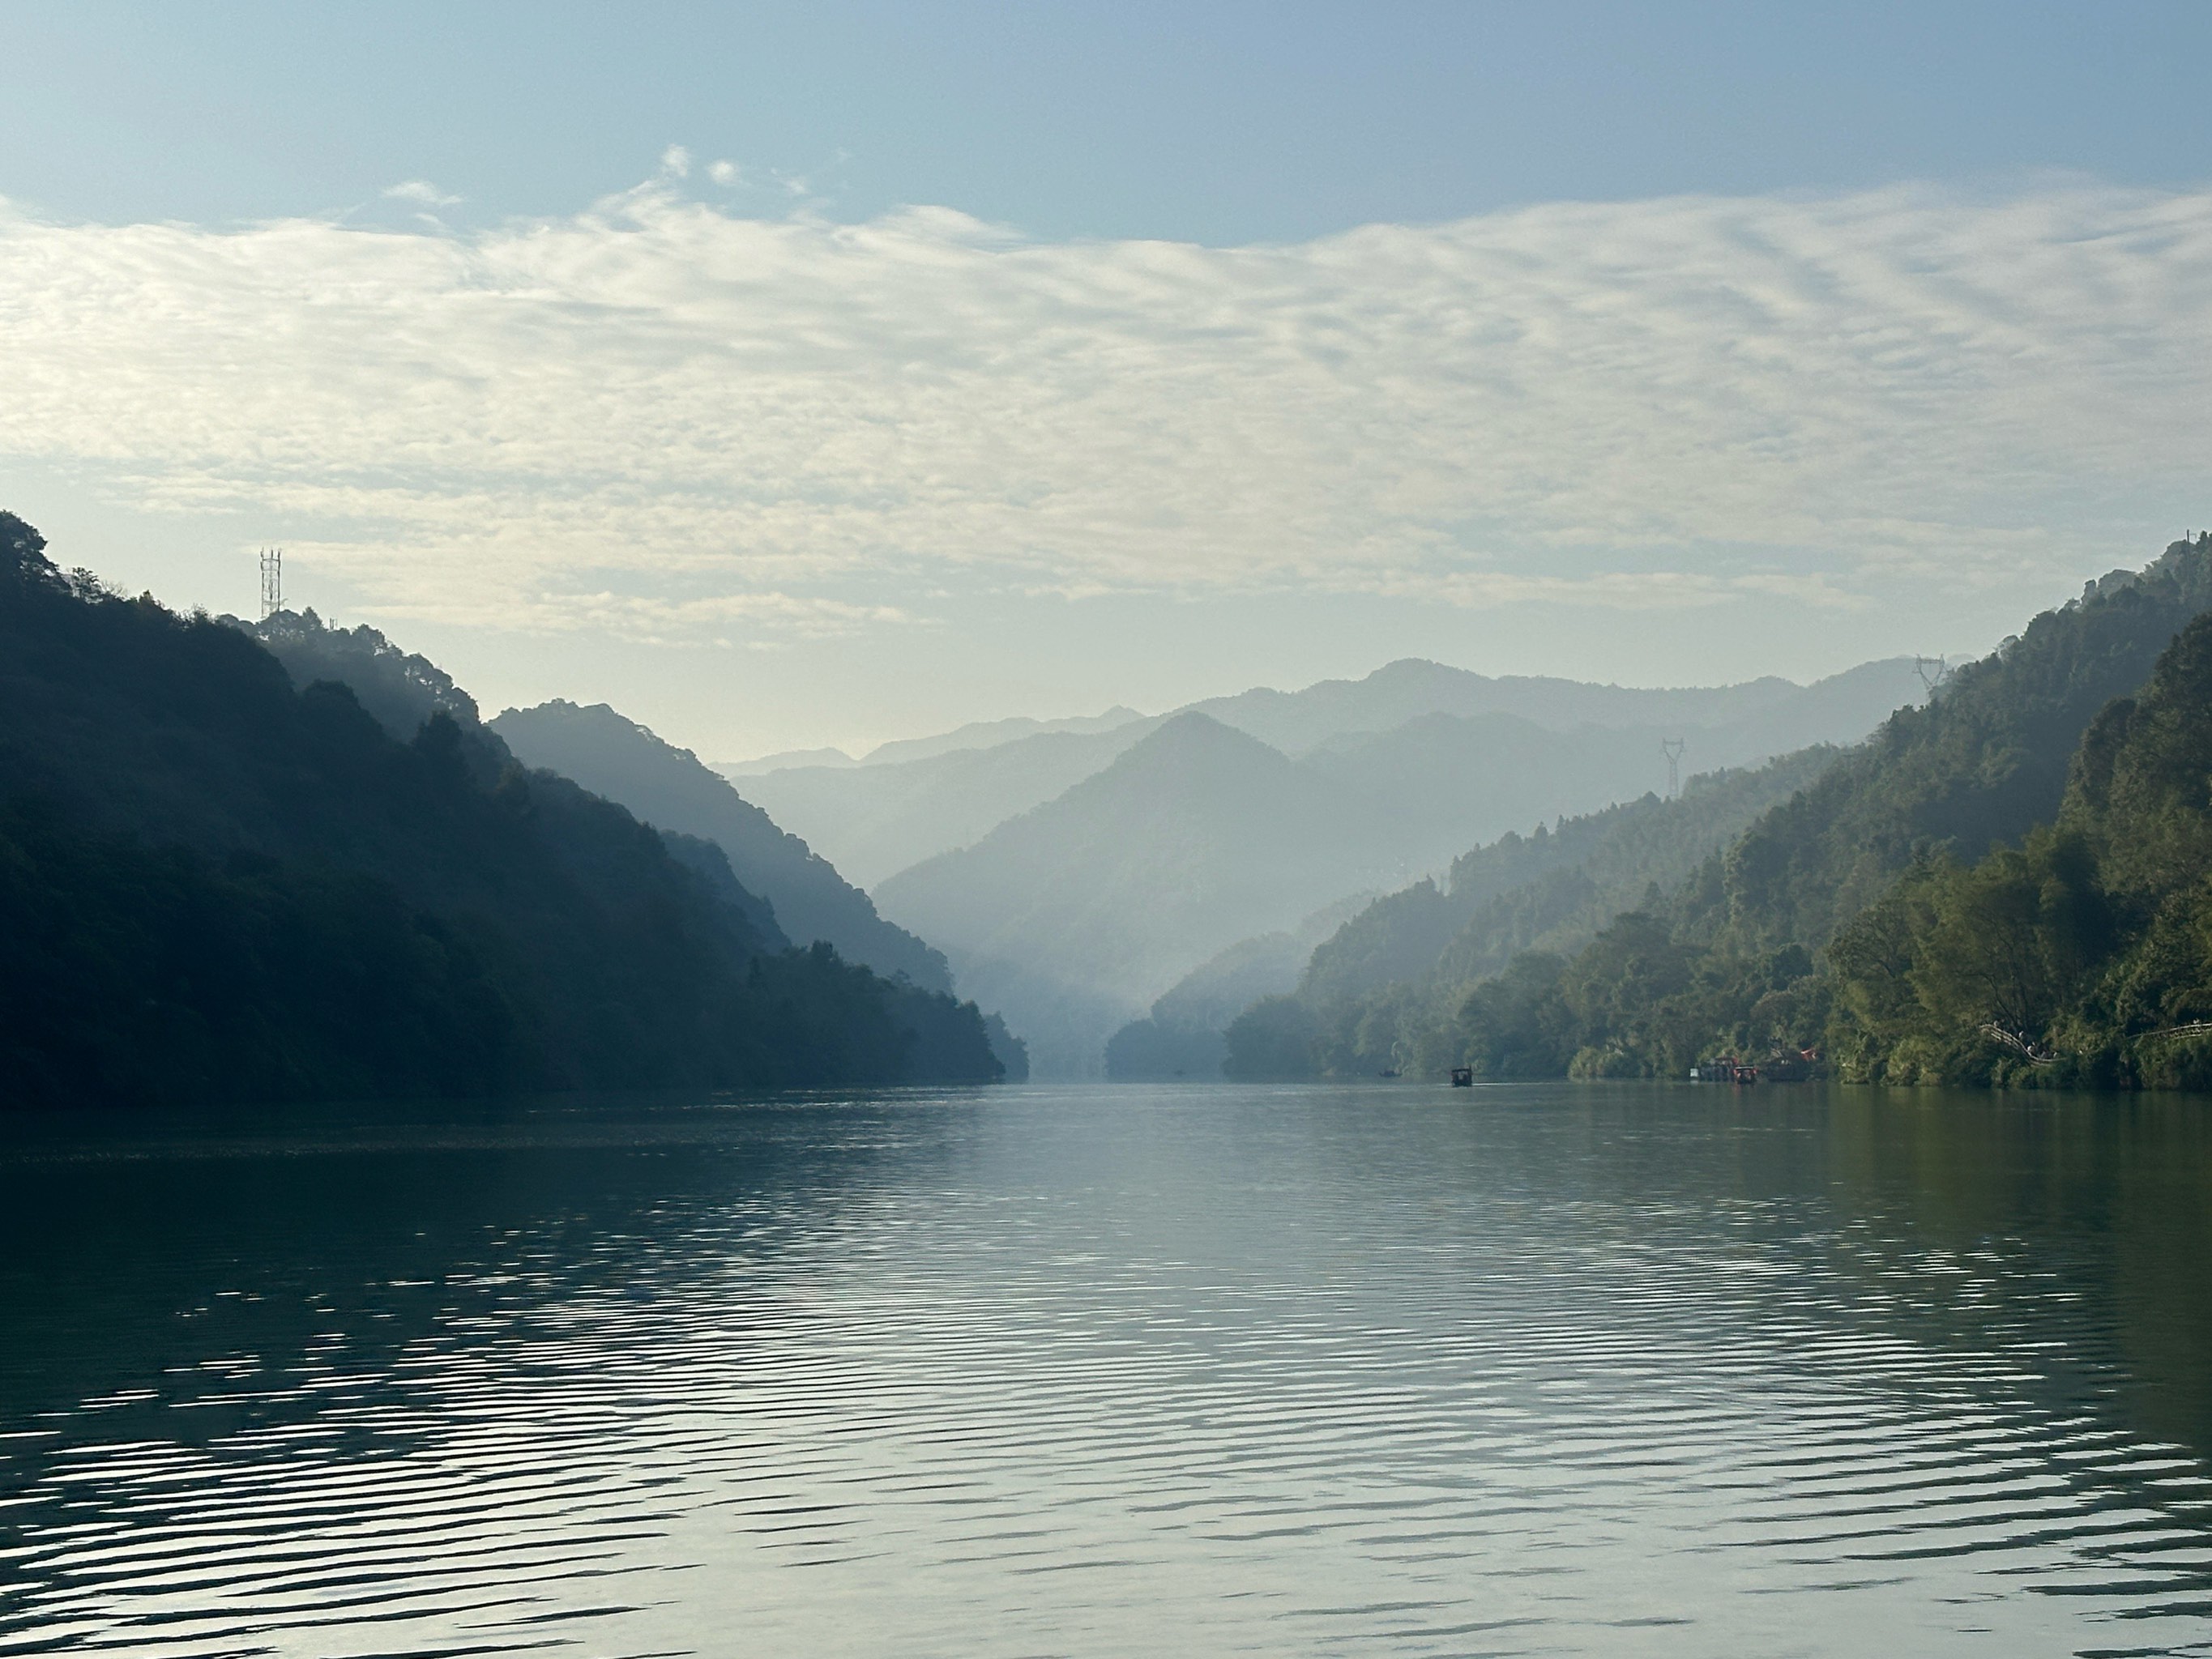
1220	123
1563	337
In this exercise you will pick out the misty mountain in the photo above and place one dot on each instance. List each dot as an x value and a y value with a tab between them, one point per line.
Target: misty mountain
782	759
976	734
398	688
1553	890
873	821
1086	908
669	787
906	805
1840	709
1944	902
989	734
1072	917
1182	1036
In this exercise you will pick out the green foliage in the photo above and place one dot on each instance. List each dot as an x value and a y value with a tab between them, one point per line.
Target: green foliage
1272	1040
668	786
1152	1048
1391	987
2083	955
1514	1025
1941	904
212	887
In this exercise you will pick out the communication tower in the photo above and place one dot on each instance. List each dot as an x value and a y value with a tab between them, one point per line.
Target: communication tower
272	581
1673	746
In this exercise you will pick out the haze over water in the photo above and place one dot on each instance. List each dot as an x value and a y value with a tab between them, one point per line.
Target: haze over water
1545	1370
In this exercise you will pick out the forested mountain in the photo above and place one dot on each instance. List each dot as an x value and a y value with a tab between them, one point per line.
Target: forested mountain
1182	1035
213	886
1746	956
1552	889
1374	995
1075	915
2083	955
669	787
1470	756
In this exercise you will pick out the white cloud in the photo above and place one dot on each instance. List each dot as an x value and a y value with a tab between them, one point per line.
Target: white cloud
814	426
421	191
676	161
728	174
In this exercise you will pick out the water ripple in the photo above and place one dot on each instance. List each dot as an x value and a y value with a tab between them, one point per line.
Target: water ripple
1128	1371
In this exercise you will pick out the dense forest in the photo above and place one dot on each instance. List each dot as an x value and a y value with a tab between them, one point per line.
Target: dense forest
2006	884
669	786
1380	994
213	886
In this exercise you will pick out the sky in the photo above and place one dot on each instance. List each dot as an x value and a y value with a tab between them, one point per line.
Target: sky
830	374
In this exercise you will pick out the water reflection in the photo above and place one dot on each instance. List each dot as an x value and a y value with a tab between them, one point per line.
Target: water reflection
1199	1370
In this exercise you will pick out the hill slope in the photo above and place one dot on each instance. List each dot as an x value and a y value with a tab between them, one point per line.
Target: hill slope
873	821
1818	897
213	886
1171	878
1072	916
669	786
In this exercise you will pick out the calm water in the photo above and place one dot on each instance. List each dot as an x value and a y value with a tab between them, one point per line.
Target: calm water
1201	1371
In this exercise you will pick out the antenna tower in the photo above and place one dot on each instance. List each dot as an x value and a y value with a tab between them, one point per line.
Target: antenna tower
272	581
1673	746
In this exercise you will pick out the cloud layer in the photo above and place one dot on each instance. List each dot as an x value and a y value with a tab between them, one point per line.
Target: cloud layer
663	420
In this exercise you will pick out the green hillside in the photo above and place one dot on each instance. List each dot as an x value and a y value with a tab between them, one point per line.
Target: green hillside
673	788
213	886
2084	955
1868	910
1378	994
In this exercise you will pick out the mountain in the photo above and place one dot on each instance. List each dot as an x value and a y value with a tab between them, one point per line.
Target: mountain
911	801
1182	1036
777	762
873	821
989	734
213	886
1935	903
669	786
2081	956
1364	809
1778	713
1376	993
1072	917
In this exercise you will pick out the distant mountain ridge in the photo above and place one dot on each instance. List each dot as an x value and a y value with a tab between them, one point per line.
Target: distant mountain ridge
1074	916
872	820
1054	915
1411	687
1927	908
989	734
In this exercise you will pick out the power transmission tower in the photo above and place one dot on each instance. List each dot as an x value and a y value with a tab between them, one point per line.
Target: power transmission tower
1673	746
1933	671
272	581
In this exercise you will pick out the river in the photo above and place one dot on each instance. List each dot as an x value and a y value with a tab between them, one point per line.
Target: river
1578	1370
